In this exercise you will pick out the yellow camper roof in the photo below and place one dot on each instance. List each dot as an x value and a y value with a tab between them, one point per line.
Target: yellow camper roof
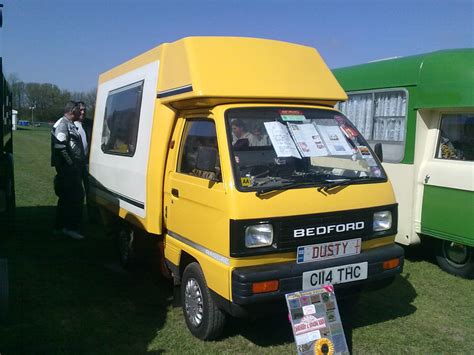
225	69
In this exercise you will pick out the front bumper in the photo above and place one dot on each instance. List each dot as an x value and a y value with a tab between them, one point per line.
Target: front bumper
289	275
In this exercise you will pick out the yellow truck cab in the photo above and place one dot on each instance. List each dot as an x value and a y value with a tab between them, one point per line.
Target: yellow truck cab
229	154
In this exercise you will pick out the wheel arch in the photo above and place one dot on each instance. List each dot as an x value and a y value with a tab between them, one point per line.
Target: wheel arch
184	260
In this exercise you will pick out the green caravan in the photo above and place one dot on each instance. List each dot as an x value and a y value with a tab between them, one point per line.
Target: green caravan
421	108
7	191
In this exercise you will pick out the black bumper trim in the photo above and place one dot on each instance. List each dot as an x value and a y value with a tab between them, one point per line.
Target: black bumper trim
290	274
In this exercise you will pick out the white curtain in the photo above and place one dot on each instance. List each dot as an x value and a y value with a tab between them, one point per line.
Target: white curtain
359	109
378	116
390	113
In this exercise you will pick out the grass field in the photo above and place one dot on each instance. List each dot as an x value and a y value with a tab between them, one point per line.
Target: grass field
69	296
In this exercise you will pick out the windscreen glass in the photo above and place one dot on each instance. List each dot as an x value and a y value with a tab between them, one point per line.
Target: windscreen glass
274	147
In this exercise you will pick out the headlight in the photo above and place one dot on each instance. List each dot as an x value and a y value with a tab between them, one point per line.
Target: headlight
382	221
260	235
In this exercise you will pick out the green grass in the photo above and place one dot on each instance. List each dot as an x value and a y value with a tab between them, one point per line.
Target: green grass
69	296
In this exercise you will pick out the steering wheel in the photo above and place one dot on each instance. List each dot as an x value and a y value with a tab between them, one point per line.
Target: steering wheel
257	171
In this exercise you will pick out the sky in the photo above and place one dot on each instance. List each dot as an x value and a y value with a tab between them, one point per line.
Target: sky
70	42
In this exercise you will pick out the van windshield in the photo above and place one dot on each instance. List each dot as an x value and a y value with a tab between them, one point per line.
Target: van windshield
278	148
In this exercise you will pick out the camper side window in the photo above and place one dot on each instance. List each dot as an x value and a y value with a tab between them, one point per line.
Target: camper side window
456	137
380	116
199	154
121	119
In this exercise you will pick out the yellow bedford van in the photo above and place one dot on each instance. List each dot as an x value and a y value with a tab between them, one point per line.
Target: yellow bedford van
228	155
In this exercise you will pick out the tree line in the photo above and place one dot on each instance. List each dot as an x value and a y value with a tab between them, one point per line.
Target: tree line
44	102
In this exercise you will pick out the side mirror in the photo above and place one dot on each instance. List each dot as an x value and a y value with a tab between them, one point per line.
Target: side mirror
206	159
379	151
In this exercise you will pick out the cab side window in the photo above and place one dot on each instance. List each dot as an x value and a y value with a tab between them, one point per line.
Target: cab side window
199	154
456	137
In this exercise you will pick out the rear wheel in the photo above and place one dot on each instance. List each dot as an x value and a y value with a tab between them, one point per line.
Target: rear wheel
455	258
203	318
126	245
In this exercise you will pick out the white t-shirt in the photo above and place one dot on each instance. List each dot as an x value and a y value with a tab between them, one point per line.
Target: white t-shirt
81	131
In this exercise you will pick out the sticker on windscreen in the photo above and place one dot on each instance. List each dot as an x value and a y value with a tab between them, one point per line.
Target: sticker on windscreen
365	152
348	130
292	115
245	181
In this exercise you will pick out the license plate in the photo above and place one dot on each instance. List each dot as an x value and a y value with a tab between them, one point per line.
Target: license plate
331	250
335	275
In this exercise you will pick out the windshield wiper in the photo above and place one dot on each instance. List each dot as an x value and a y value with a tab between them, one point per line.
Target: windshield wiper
325	187
346	182
316	179
284	187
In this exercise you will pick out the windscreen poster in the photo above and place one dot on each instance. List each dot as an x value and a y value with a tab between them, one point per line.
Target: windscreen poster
335	140
281	140
307	140
316	322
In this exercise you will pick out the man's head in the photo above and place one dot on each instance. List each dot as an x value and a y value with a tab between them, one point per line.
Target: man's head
82	110
71	111
238	128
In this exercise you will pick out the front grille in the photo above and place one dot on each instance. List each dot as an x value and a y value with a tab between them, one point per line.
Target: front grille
311	229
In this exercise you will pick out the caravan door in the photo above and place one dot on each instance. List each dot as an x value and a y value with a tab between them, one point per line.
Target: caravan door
447	175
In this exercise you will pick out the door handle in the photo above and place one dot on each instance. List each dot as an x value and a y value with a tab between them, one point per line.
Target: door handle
175	192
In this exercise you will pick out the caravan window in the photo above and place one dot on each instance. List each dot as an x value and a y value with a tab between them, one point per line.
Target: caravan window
456	137
381	117
121	119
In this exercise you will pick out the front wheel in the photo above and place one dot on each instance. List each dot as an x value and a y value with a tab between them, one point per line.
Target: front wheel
203	318
455	258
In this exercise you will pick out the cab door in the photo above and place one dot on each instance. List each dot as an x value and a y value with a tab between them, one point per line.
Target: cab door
195	199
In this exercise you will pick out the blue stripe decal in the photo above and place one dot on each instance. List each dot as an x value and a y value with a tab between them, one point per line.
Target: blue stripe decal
177	91
127	199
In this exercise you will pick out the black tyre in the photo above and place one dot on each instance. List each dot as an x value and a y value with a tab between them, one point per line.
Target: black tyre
203	318
455	258
125	240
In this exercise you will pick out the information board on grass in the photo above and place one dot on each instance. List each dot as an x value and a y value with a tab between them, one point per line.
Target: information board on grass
315	321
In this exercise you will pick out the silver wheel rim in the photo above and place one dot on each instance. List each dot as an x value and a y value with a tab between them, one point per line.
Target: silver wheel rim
125	240
456	254
193	302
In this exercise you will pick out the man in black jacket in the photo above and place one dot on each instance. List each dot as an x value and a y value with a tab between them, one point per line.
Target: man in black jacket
68	157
